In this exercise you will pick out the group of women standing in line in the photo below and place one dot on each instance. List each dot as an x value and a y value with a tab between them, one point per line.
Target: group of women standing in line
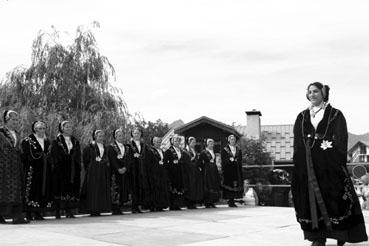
37	175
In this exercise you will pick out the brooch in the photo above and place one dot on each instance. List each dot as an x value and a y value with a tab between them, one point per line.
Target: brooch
326	145
98	158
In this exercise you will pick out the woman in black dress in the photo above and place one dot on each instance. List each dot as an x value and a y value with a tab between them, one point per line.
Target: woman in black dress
193	182
38	196
11	170
174	163
158	177
232	171
65	156
97	179
120	158
325	201
140	187
210	174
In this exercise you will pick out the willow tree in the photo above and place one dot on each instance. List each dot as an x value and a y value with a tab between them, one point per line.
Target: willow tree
66	81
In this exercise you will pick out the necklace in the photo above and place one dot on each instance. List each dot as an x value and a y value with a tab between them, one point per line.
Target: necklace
313	113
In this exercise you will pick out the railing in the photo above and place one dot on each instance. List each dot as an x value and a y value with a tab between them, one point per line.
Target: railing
291	165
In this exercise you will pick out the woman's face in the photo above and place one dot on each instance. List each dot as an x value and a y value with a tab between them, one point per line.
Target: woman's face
315	95
193	143
67	129
245	184
13	122
211	145
136	134
176	142
157	142
40	129
119	137
99	138
232	140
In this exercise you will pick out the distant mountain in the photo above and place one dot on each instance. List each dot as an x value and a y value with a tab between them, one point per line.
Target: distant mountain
353	139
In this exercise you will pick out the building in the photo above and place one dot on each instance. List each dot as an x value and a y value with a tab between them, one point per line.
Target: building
359	152
203	128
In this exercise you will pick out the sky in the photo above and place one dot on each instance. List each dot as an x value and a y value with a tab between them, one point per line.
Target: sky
219	58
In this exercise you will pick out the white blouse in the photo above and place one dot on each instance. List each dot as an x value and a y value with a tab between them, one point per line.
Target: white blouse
14	135
69	143
233	150
317	116
121	148
138	144
160	153
178	151
41	141
101	149
211	153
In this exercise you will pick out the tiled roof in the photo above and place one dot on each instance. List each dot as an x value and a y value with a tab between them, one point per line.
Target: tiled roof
278	140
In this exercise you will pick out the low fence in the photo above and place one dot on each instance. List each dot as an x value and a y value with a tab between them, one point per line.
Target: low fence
279	194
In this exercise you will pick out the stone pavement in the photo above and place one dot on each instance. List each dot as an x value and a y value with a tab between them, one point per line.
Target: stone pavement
206	227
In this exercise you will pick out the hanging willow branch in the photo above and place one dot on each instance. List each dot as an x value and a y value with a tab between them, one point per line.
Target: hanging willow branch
68	80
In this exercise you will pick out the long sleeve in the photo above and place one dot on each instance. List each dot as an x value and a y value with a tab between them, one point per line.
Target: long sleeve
224	157
86	158
167	158
202	160
340	136
53	155
128	161
77	156
112	156
25	152
239	161
297	136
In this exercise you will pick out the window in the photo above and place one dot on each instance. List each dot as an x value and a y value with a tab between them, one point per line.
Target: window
363	149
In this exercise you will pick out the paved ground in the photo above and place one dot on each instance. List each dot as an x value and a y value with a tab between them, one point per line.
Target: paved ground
222	226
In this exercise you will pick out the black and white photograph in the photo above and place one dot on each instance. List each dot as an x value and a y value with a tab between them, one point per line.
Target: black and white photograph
184	122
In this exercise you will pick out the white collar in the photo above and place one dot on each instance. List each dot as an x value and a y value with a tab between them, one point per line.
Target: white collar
210	150
39	138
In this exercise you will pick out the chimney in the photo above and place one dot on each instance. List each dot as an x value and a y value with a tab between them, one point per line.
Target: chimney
253	128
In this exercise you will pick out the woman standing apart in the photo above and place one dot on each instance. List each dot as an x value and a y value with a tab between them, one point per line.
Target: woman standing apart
38	196
11	170
65	155
210	175
232	171
325	201
96	164
120	159
174	163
